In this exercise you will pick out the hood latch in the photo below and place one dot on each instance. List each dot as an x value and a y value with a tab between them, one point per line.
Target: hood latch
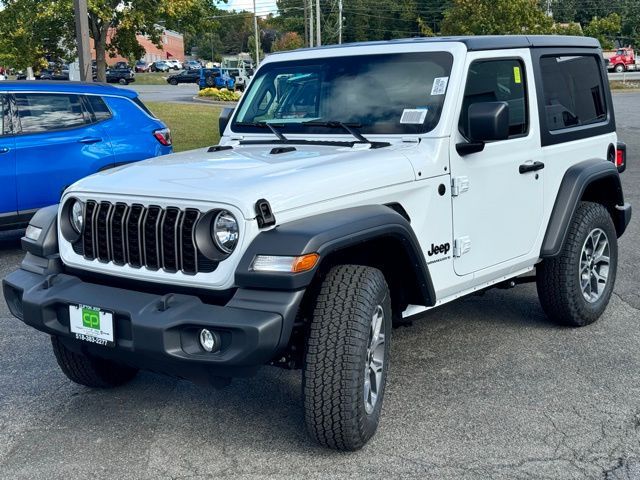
264	214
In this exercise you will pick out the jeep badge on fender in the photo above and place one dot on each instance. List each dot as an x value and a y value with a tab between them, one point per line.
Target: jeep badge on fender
303	236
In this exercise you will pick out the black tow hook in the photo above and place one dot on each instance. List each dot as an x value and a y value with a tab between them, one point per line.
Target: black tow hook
164	302
48	282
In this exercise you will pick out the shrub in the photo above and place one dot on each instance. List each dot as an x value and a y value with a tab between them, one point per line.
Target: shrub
221	95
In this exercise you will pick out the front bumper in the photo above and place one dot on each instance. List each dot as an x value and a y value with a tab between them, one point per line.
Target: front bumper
253	326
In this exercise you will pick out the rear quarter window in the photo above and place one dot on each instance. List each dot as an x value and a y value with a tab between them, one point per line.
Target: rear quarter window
99	108
573	91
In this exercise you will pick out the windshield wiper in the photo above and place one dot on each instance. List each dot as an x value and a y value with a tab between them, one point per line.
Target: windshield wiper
347	127
275	131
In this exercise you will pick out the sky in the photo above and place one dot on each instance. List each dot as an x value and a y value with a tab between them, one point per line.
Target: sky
263	7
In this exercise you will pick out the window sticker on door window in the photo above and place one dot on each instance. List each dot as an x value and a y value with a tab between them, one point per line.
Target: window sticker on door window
439	85
414	116
517	76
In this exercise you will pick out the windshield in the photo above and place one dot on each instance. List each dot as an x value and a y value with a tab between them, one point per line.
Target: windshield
380	94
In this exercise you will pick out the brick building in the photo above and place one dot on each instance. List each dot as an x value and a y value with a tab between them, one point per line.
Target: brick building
172	48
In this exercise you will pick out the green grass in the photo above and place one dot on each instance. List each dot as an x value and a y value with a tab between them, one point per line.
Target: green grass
192	126
154	78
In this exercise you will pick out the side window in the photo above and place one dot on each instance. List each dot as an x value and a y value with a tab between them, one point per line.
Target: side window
99	107
498	81
573	91
40	112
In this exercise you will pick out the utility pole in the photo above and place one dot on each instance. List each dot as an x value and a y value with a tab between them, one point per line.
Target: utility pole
306	23
82	39
256	33
318	30
311	34
340	22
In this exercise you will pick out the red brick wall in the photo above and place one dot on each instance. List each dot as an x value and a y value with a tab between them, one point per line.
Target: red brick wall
172	47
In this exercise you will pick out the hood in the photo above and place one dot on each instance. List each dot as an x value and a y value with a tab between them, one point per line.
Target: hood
248	173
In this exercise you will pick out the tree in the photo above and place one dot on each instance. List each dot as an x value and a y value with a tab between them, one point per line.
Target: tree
288	41
605	29
34	31
495	17
114	24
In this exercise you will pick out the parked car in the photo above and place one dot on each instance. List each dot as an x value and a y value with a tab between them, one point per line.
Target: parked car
141	66
215	78
192	65
123	76
49	74
186	76
160	66
174	64
66	131
312	228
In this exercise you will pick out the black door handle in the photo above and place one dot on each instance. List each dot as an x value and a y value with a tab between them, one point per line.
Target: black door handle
531	167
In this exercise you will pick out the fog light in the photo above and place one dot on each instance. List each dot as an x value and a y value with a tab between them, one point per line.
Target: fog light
208	340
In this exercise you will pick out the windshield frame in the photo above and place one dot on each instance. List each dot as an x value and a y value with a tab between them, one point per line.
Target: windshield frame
446	57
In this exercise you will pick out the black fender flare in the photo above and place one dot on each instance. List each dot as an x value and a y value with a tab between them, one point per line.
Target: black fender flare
575	184
328	233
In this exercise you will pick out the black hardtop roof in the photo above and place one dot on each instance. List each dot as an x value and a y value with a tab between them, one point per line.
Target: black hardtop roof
488	42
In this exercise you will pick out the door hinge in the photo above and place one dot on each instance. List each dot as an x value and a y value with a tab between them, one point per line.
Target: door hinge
459	185
461	246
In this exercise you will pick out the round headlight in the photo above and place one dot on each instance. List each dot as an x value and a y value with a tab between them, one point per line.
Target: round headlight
76	215
225	231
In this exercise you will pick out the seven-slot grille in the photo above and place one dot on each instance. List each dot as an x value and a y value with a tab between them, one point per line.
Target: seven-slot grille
138	236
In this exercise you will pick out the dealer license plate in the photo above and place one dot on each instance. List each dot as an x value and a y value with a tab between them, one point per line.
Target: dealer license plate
90	324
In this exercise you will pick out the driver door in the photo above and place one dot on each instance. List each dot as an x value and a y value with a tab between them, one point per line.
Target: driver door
497	210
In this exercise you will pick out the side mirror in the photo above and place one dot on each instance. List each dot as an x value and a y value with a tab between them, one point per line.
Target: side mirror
488	121
223	121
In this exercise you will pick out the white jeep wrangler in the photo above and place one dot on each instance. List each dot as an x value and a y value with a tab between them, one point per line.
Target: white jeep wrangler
337	203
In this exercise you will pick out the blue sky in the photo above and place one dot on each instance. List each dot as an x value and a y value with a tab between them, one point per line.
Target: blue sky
262	6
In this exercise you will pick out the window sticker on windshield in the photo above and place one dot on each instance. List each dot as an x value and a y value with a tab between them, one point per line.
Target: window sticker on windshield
414	116
517	77
439	85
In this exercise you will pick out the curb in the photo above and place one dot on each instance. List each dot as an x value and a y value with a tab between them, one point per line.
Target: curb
215	103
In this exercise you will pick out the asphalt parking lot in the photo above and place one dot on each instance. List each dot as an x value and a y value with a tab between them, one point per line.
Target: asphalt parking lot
482	388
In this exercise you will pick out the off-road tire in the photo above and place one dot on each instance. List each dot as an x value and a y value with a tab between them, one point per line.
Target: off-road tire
89	371
336	352
558	278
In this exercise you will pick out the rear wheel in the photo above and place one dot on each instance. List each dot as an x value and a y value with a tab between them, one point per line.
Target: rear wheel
347	357
575	287
173	81
90	371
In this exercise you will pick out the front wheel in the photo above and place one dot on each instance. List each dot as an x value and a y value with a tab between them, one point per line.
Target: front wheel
575	287
619	68
347	357
123	81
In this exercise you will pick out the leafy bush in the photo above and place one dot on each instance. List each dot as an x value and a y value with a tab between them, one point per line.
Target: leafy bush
221	95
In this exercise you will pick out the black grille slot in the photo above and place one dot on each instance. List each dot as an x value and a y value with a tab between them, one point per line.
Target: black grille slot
140	236
151	235
134	235
102	239
170	224
118	249
88	234
187	243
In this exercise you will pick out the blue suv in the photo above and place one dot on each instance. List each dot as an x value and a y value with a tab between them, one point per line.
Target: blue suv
55	133
215	78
